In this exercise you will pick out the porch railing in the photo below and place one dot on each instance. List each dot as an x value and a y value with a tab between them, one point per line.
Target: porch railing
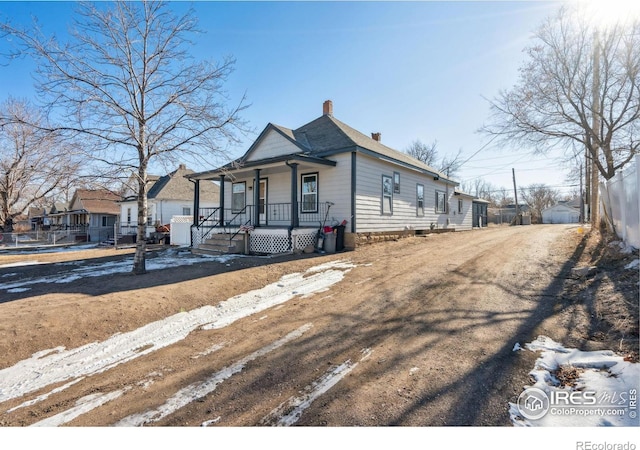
280	213
271	214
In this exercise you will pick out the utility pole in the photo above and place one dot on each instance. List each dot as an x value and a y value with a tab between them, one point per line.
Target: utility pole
515	193
595	92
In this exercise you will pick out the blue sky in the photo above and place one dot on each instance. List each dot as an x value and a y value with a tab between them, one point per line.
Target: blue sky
409	70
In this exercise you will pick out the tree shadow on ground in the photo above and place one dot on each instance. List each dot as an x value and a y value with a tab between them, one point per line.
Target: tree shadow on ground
18	283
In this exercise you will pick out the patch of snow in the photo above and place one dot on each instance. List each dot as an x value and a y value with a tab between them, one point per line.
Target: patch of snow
212	349
288	287
47	395
59	365
604	393
211	422
633	264
162	261
413	370
198	390
517	347
83	406
290	411
17	290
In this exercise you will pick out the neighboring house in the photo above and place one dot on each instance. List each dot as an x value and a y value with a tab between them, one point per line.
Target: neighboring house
167	196
561	213
289	181
48	218
93	212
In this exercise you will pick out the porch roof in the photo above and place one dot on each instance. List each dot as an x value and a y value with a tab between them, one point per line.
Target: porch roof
276	164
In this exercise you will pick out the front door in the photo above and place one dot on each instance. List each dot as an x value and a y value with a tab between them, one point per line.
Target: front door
263	202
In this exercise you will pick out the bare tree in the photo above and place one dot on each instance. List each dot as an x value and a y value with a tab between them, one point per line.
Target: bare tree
127	83
539	197
34	163
428	154
479	188
579	89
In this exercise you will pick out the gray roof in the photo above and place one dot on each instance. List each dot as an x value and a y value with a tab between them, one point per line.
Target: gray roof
175	186
326	136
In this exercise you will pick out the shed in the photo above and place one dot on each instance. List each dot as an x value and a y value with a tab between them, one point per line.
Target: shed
480	209
560	213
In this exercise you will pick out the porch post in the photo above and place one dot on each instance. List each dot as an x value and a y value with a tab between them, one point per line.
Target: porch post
295	220
221	200
256	198
196	201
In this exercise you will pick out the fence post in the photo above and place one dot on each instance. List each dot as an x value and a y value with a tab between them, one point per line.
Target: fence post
115	235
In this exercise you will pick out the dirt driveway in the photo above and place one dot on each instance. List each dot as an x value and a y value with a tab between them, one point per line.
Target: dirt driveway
418	332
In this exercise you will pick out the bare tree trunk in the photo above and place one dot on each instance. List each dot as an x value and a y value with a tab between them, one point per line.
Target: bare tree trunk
139	259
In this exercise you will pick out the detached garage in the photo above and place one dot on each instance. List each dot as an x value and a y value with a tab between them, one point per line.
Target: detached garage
560	214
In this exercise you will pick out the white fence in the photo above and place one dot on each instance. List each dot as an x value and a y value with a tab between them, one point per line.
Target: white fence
36	238
621	201
181	230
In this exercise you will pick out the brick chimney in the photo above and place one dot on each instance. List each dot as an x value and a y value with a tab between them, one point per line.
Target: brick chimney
327	108
376	136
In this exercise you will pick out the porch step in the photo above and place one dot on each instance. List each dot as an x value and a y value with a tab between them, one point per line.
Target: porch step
221	244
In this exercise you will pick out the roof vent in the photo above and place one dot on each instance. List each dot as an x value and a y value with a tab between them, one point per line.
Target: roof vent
376	136
327	108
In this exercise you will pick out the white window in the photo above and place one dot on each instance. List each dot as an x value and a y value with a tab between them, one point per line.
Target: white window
387	195
420	200
309	193
186	211
238	198
396	183
441	202
128	216
460	206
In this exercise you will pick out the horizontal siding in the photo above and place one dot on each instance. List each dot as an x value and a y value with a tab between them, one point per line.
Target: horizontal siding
334	185
273	144
369	199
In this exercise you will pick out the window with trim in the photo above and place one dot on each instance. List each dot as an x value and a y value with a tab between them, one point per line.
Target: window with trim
460	206
238	198
441	202
309	193
387	195
396	183
186	211
128	216
419	200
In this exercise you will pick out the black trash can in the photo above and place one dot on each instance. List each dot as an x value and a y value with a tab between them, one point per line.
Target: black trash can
339	237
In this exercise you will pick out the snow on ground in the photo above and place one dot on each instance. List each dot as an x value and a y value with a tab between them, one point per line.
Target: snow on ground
166	258
600	389
58	365
39	248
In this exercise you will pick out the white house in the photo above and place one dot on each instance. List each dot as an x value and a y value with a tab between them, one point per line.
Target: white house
289	182
167	196
561	213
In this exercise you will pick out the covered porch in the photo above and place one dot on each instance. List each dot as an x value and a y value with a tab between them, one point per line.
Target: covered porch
270	200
